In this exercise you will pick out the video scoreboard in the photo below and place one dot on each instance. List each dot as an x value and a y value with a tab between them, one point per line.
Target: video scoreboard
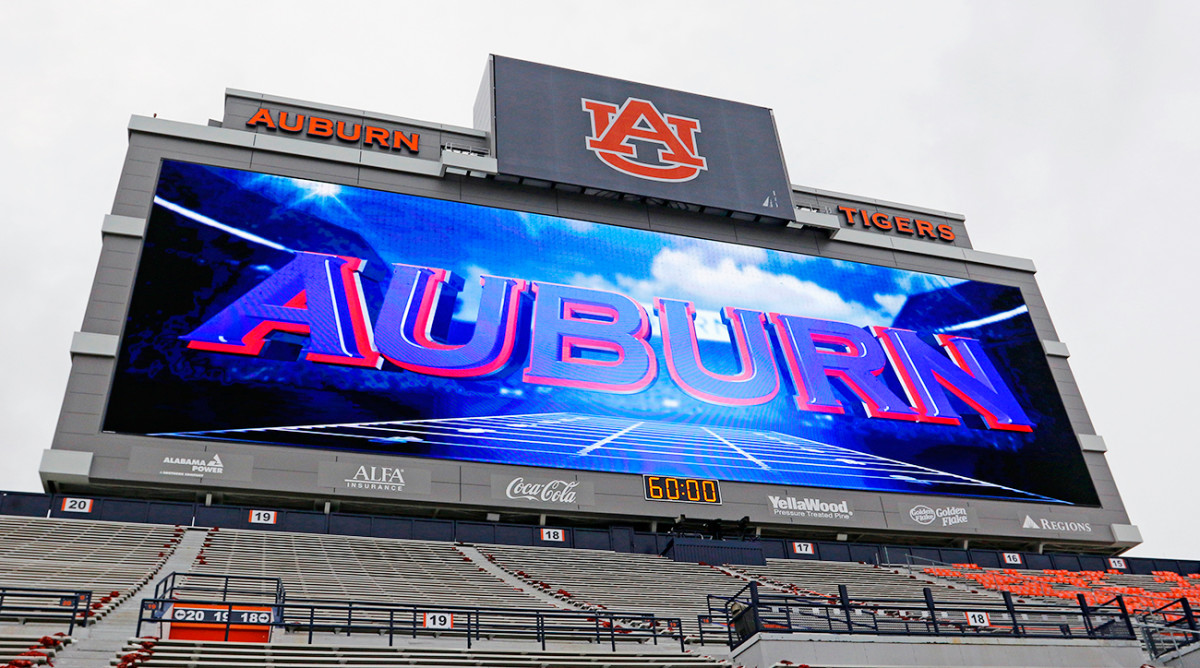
403	322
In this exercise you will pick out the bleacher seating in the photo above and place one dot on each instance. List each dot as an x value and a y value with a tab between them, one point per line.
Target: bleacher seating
180	654
110	559
863	581
37	650
352	568
626	582
1141	592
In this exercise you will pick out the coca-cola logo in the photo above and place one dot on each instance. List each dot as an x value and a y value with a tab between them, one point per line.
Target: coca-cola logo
555	491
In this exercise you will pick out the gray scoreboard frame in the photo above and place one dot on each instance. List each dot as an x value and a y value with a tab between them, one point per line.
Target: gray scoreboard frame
452	163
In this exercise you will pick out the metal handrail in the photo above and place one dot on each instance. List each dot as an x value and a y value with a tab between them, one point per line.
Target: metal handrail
71	605
347	616
751	611
176	582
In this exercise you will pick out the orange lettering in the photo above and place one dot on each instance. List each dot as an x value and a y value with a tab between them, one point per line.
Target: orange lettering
341	132
261	116
925	228
320	127
945	232
283	116
399	138
866	218
882	221
849	213
375	134
902	224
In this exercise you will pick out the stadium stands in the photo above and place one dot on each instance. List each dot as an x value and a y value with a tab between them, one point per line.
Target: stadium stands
25	650
110	559
177	654
1140	592
599	579
352	568
863	581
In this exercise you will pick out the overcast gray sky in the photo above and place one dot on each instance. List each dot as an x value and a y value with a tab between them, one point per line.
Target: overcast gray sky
1066	132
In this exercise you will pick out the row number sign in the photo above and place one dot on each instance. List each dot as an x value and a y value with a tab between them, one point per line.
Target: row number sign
77	505
803	548
439	620
1012	558
1116	563
554	535
264	516
978	619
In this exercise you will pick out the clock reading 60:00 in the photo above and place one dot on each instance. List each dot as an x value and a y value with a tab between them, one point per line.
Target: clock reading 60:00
684	490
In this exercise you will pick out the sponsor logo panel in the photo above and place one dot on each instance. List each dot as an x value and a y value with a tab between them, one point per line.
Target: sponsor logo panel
810	507
541	490
196	467
362	478
938	515
1038	523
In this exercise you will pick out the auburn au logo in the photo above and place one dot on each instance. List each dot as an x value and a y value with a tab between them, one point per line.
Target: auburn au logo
613	127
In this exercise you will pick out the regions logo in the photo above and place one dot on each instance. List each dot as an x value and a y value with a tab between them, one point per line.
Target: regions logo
810	508
555	491
948	515
1044	524
614	129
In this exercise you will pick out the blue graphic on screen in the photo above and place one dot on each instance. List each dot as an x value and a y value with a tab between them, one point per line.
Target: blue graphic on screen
279	311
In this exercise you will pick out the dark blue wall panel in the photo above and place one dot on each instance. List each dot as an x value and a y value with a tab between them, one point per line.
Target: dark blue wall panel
349	525
433	530
303	521
833	551
474	532
391	527
508	534
592	539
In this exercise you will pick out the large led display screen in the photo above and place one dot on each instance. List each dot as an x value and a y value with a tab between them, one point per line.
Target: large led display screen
276	311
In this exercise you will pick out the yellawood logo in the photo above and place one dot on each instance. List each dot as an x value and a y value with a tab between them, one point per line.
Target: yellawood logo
810	507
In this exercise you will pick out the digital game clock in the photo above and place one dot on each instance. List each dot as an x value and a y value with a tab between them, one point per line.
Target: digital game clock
683	490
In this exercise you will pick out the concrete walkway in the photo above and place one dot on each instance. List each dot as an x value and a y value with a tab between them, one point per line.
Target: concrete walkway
96	645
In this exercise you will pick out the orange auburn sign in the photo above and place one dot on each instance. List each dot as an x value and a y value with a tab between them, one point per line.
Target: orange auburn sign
317	126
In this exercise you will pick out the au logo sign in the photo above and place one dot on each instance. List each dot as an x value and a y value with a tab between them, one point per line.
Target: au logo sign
613	127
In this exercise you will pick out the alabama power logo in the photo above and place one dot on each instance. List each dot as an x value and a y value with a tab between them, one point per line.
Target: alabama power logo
613	128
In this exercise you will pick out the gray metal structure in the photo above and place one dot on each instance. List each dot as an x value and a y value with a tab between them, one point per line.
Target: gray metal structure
453	163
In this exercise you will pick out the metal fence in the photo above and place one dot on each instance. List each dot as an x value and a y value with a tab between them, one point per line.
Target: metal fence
1169	628
70	606
244	588
752	611
397	619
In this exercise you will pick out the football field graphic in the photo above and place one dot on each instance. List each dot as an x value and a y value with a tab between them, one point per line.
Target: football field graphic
564	440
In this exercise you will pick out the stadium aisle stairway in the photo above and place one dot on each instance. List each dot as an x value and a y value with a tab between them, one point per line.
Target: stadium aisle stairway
179	654
94	645
617	581
110	559
1141	592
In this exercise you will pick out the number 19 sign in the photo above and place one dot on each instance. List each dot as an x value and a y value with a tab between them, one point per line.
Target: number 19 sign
438	620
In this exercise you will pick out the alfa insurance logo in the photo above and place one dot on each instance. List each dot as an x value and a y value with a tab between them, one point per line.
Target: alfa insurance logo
615	127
